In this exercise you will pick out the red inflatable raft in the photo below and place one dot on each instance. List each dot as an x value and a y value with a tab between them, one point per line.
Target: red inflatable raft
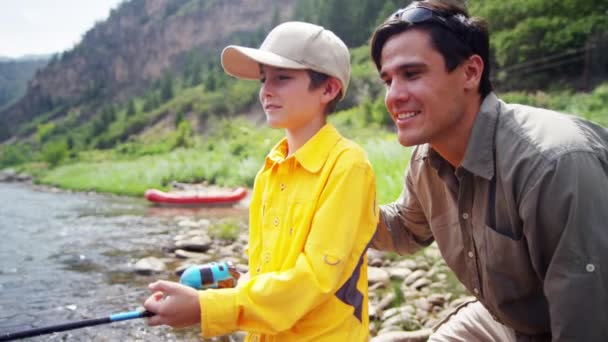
194	197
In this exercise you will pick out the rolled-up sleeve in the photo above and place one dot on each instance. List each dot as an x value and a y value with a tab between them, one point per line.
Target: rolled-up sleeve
403	227
566	224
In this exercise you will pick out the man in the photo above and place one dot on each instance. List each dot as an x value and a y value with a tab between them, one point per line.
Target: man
515	197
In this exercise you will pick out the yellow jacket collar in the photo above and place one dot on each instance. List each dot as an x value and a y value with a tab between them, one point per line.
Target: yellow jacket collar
313	155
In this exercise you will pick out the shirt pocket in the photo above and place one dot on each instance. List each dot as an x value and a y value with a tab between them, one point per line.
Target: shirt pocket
506	262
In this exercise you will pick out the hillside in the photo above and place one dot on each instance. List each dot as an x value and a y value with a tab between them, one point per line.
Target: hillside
141	41
148	79
14	76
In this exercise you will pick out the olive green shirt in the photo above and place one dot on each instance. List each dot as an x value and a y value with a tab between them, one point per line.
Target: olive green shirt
522	222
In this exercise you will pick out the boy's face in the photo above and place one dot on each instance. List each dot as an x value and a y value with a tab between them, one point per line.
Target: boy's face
287	100
426	102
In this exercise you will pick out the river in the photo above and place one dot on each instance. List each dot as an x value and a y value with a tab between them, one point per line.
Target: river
69	256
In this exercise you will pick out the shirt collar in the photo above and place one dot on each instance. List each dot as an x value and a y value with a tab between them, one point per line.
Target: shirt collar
312	155
479	155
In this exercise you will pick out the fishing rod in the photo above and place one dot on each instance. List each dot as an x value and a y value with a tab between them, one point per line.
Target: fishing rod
123	316
200	277
82	303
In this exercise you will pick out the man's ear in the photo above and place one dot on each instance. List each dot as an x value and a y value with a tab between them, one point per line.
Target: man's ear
331	89
473	70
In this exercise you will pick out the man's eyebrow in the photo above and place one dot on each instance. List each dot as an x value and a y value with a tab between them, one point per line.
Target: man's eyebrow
405	66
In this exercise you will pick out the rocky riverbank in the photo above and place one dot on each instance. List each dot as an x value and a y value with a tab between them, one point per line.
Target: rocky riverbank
9	175
408	295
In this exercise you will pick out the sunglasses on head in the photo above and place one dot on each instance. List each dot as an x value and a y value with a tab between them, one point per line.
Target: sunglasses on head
420	14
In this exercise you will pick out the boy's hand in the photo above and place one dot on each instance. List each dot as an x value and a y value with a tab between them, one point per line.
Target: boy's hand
244	278
174	304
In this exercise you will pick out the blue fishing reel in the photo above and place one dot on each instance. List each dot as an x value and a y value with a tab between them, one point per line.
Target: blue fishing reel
213	275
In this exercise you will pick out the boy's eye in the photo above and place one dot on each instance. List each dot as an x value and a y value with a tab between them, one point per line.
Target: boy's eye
262	79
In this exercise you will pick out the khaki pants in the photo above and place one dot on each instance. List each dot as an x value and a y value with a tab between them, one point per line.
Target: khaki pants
471	322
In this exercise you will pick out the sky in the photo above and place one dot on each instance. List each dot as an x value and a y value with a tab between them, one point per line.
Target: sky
47	26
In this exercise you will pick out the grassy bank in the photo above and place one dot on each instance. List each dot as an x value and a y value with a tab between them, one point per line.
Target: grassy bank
232	150
230	156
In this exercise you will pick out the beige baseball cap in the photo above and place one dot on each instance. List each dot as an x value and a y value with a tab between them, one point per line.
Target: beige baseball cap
292	45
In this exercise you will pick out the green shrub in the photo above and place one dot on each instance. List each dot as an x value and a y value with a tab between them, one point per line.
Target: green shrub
44	132
12	155
54	152
228	229
183	136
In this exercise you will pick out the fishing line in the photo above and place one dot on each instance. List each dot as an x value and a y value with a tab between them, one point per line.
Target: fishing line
200	277
78	306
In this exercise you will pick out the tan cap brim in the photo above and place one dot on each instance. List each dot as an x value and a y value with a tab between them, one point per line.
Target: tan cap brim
244	62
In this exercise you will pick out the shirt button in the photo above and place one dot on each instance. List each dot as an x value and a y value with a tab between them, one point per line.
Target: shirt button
276	221
465	216
590	268
476	290
470	254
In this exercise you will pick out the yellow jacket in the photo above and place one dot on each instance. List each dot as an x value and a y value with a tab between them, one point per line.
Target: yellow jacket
312	217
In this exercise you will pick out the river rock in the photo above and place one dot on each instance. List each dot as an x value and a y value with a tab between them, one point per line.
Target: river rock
199	243
437	299
408	263
188	223
398	272
10	175
385	301
410	279
423	304
375	257
406	309
404	336
150	265
198	257
378	275
420	283
402	317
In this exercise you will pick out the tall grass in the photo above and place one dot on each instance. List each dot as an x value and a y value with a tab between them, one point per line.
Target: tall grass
389	160
591	106
133	177
231	156
234	150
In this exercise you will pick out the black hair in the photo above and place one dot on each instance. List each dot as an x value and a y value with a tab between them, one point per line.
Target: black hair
469	36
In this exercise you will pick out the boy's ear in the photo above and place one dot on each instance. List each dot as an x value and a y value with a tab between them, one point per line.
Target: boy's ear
331	89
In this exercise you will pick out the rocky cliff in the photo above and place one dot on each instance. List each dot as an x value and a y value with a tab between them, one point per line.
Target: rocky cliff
140	42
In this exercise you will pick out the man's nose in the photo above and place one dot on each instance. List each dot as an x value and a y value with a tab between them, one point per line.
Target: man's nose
396	94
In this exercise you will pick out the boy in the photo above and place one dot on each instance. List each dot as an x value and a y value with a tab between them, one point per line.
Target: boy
313	209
